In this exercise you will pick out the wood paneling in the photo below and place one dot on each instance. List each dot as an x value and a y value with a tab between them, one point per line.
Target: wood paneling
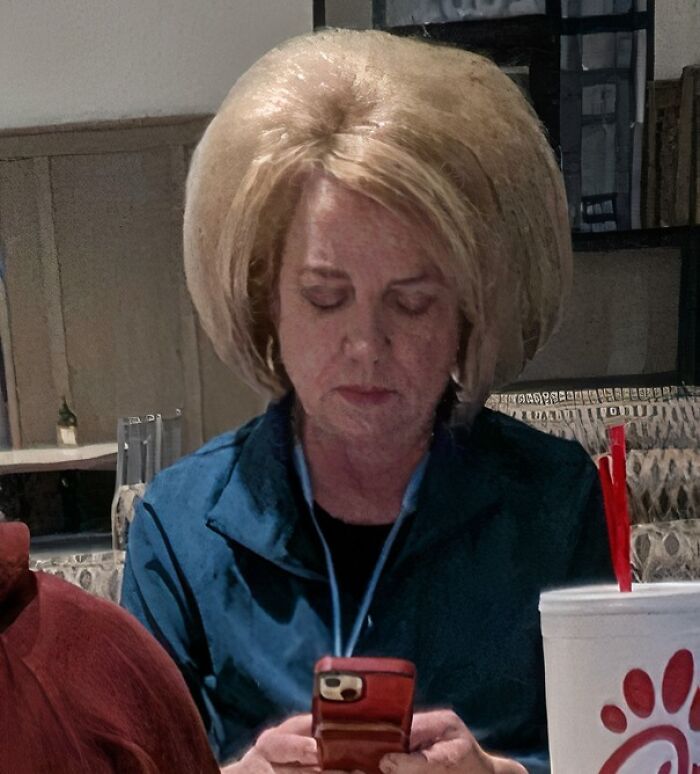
672	151
119	286
104	137
52	280
20	231
98	309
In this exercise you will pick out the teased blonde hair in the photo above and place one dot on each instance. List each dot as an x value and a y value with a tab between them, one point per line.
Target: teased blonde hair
418	128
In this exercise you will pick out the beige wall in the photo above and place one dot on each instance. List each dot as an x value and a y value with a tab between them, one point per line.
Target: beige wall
621	318
676	37
28	317
75	60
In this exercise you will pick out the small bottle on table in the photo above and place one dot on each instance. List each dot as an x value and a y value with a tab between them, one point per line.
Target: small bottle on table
67	426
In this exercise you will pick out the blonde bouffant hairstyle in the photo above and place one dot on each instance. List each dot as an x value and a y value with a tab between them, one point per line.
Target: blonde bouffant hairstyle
422	129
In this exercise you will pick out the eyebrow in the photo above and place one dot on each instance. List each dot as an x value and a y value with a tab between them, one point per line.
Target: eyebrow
338	274
415	280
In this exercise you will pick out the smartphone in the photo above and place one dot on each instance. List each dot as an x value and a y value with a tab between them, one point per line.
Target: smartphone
362	709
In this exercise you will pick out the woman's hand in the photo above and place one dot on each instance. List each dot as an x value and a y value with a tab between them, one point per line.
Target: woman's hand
285	749
440	742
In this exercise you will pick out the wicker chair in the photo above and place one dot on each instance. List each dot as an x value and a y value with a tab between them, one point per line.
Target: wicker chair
663	462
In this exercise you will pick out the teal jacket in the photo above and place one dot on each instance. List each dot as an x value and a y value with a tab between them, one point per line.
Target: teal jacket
225	568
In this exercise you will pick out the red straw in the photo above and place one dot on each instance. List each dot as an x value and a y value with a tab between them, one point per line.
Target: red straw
613	480
622	517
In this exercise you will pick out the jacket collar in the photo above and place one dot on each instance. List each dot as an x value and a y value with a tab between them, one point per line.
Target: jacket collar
262	506
461	488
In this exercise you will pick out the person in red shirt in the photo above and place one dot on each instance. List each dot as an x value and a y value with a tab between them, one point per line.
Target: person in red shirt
83	686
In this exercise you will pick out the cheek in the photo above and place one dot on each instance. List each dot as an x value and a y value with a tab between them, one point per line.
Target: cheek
306	341
431	344
425	363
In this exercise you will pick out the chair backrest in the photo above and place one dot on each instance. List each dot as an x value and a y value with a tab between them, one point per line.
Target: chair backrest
663	462
655	418
145	445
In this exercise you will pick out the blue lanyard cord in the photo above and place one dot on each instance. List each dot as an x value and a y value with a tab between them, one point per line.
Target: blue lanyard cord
407	507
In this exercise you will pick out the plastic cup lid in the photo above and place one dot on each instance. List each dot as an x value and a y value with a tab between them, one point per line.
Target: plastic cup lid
645	598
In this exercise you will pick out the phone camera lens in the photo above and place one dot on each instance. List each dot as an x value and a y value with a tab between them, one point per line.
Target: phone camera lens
332	682
349	694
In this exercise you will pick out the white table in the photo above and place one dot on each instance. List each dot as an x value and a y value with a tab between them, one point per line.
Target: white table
96	456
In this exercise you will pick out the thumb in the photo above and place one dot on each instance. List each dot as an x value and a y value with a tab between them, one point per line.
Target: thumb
401	763
288	748
296	724
448	755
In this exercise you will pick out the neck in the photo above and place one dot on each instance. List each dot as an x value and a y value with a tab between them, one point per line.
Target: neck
360	481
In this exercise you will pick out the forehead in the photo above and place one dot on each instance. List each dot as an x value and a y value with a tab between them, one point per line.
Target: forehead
337	227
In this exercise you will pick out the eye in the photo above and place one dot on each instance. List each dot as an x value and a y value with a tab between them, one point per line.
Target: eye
414	303
324	298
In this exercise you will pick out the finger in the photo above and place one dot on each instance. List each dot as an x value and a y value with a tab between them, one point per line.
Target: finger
453	753
507	766
287	749
430	727
297	724
296	769
450	755
251	763
400	763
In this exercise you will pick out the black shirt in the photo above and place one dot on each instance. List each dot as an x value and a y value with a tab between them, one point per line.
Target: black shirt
355	549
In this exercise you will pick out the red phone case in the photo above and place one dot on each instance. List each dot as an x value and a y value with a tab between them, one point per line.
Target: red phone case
368	714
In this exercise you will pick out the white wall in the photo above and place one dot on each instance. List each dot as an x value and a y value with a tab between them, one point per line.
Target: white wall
75	60
677	36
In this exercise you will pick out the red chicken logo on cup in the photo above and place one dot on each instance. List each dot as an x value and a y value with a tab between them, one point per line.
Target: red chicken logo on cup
673	721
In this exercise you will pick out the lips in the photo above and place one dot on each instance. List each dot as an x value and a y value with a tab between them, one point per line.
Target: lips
362	395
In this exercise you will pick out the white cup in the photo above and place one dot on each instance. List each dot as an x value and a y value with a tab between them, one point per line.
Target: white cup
623	678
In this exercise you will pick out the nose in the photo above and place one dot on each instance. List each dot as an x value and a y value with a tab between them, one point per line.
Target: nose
367	339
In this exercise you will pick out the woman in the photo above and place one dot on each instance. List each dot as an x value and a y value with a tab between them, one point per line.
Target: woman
374	227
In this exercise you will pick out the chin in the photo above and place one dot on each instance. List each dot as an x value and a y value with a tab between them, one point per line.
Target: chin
371	423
